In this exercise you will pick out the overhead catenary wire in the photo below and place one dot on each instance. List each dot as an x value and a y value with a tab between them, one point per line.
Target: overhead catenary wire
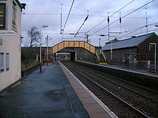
123	17
136	29
82	25
80	15
68	15
89	17
78	7
89	10
111	15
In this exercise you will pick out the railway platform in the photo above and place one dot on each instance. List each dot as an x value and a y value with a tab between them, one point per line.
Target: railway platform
123	68
134	70
54	93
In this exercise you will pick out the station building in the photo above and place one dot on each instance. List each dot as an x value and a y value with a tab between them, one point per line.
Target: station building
131	46
10	42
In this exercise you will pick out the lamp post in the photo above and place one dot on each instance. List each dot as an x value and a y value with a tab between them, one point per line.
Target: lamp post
40	63
47	48
47	38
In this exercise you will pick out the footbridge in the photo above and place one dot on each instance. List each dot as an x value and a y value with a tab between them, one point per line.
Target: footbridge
72	44
76	50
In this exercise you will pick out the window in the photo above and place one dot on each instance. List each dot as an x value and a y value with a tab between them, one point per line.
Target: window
14	15
1	61
2	15
7	61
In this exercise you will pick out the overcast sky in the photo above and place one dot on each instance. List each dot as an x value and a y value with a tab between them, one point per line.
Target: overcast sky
134	18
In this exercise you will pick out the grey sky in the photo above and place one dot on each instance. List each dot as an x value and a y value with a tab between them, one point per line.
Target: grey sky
48	12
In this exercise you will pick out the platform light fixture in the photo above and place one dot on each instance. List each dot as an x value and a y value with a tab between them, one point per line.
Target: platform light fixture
40	63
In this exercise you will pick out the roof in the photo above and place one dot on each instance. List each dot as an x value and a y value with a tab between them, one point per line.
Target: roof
131	42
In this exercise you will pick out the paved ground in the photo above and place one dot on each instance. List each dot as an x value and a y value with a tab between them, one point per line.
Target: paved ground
42	95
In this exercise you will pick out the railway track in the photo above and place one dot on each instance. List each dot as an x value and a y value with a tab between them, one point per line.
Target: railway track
124	98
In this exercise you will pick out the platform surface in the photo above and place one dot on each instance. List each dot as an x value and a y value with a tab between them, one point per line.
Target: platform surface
93	105
42	95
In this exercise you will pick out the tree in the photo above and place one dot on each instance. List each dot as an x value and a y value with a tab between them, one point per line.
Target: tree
31	51
34	36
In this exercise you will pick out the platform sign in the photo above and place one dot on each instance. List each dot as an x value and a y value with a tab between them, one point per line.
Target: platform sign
6	33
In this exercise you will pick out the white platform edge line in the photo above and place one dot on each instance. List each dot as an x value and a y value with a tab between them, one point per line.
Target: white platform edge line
94	96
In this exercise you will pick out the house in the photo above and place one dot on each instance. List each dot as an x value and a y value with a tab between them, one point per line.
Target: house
136	45
10	42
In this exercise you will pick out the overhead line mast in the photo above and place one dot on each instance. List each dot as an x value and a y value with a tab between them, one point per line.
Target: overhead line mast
146	21
61	21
